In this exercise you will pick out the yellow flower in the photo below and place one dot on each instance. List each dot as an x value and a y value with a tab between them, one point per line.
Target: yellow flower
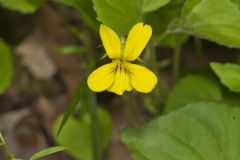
121	75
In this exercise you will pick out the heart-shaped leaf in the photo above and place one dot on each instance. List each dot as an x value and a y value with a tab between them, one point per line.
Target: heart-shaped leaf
214	20
121	15
201	131
192	89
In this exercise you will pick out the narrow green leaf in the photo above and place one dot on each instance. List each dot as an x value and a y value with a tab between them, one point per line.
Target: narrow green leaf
71	49
201	131
215	20
77	98
192	89
75	101
23	6
47	152
229	75
6	66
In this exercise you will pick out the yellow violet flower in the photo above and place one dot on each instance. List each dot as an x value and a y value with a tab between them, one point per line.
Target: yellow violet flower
121	75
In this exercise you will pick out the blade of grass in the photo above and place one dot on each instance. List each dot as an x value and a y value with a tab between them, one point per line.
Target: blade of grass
47	152
74	103
76	100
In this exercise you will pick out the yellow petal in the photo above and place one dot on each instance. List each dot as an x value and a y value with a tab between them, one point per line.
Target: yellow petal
121	82
141	78
102	78
137	40
111	42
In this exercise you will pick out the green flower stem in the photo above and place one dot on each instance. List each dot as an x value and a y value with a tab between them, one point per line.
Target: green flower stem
131	108
176	62
155	67
92	104
199	50
96	140
159	94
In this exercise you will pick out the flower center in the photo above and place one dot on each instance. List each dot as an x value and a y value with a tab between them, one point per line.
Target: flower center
120	64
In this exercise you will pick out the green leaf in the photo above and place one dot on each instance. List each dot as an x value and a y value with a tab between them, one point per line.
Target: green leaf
151	5
229	74
215	20
6	66
161	19
77	134
46	152
119	15
192	89
71	49
122	15
202	131
23	6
